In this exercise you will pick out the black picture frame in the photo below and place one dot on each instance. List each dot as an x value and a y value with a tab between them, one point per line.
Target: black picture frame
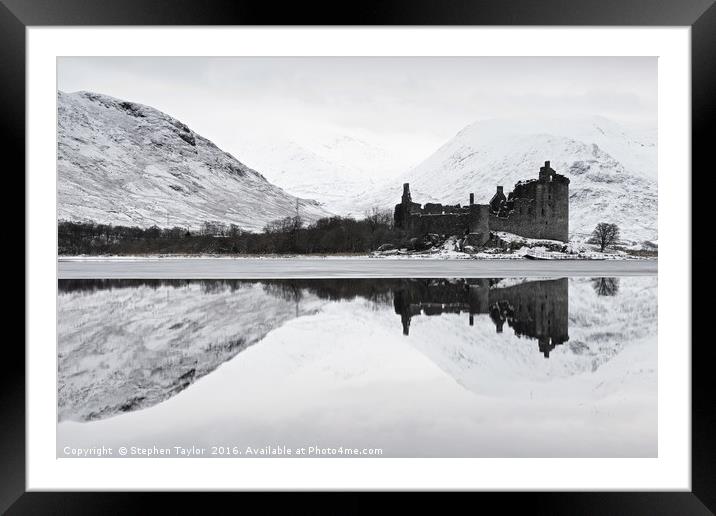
700	15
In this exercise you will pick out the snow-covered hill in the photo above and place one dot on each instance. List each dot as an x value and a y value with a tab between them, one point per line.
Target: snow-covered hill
332	170
612	170
124	163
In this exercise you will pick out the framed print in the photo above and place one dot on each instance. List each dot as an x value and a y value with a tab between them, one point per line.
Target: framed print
413	248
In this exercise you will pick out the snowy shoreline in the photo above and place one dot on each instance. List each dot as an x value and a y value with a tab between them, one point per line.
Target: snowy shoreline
424	256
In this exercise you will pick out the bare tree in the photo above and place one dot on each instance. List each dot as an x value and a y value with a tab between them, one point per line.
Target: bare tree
213	228
284	225
605	235
376	217
234	230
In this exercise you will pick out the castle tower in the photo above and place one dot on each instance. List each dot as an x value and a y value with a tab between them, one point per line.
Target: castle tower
546	173
402	211
406	194
552	204
497	199
478	224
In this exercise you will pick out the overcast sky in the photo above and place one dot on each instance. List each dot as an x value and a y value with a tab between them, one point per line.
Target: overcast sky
401	104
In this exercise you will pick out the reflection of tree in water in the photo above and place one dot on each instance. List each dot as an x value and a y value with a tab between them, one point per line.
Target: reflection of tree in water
284	290
208	286
606	286
378	291
219	286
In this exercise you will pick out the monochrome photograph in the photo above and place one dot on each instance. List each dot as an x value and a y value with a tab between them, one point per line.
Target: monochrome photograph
365	257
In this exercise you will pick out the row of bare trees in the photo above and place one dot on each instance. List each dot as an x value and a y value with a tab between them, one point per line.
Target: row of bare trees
289	235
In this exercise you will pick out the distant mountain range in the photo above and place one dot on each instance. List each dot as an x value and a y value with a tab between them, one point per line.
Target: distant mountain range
125	163
612	170
333	169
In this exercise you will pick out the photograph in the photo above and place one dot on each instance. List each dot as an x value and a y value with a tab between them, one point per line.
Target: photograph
364	257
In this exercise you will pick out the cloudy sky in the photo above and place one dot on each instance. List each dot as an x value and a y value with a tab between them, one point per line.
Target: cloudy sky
408	105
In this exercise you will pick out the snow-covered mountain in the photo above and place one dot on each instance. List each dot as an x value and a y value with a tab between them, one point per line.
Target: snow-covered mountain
332	170
612	170
125	163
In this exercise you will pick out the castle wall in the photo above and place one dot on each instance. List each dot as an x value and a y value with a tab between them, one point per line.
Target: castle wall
450	220
440	209
447	224
540	210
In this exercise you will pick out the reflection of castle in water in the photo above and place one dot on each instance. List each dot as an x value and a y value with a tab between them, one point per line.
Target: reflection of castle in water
534	309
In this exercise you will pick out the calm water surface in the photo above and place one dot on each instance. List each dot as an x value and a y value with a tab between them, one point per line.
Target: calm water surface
391	367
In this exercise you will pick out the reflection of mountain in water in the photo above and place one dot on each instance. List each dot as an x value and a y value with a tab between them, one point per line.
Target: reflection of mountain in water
129	344
125	344
534	309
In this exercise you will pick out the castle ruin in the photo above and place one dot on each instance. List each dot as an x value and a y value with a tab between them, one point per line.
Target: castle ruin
536	208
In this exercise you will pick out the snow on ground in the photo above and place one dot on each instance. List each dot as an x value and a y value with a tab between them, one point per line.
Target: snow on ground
536	248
